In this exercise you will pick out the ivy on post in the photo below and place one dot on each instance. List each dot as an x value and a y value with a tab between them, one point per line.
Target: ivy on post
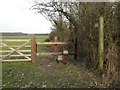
101	45
33	49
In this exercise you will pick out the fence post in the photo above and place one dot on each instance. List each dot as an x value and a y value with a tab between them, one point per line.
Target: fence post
56	46
33	49
101	45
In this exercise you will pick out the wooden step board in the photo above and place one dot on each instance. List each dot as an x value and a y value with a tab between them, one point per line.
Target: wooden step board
50	53
54	53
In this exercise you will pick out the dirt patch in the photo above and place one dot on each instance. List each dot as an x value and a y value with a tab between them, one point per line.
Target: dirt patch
51	65
45	61
47	64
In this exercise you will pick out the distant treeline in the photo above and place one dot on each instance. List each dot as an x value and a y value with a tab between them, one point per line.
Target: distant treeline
18	34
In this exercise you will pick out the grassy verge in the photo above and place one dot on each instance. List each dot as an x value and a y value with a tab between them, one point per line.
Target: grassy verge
46	74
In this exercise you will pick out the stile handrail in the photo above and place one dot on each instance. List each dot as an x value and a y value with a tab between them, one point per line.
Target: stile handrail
53	43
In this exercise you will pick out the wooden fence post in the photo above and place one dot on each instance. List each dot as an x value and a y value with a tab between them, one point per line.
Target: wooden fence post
33	49
56	46
101	45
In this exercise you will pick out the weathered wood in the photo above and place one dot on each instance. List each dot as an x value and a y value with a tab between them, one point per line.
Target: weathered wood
33	49
55	46
101	45
15	60
14	40
53	43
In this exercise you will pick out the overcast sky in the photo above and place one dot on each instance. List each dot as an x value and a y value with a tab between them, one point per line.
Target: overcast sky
16	16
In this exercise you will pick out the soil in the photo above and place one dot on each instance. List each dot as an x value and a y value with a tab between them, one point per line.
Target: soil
50	65
47	64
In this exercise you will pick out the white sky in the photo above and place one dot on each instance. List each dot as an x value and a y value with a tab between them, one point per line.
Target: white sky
16	16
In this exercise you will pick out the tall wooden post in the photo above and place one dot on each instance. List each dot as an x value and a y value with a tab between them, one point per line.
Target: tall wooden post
56	46
33	49
101	45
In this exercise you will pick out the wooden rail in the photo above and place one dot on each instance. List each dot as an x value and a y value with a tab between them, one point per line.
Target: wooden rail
13	40
16	55
50	53
15	46
14	60
54	53
55	49
52	43
15	51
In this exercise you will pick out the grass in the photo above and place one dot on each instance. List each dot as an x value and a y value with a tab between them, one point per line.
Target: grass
46	73
39	38
50	75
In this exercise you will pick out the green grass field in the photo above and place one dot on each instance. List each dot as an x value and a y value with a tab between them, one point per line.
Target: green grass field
46	73
40	38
